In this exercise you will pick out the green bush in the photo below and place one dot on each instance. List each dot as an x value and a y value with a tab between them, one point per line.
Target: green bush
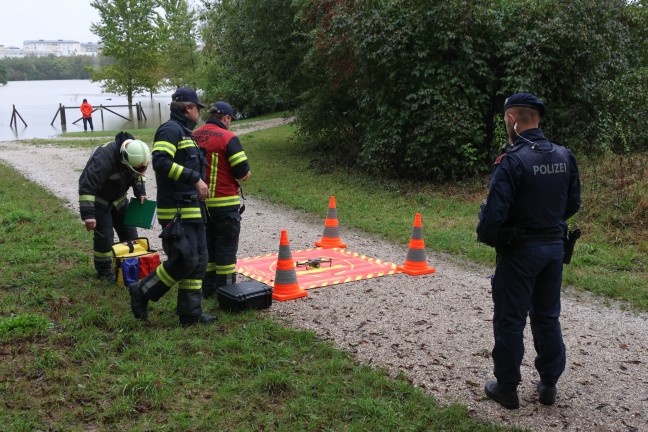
410	88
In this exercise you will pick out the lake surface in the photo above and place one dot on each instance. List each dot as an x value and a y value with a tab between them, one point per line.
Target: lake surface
37	102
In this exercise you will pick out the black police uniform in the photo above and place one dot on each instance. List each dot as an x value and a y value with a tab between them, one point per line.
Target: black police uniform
178	164
103	186
534	189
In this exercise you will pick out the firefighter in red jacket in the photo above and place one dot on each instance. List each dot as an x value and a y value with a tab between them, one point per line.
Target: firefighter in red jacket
86	112
227	165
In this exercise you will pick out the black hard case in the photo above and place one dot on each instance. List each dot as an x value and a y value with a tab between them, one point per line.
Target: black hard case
244	295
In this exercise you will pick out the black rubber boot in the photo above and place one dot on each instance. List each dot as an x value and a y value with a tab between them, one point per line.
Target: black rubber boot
225	280
204	318
104	270
505	397
209	285
190	308
108	277
546	393
139	302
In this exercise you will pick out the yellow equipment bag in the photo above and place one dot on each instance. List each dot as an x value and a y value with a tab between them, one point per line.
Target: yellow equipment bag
133	260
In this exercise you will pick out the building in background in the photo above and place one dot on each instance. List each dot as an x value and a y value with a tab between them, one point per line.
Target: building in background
59	48
10	51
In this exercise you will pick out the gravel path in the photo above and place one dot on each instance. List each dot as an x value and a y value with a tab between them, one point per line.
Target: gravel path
434	328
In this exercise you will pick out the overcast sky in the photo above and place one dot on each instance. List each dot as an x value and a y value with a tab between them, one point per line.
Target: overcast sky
22	20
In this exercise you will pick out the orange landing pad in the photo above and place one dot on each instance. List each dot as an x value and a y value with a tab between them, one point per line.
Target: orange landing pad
345	266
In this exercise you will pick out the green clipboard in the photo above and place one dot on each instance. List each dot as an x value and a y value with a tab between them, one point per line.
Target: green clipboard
141	215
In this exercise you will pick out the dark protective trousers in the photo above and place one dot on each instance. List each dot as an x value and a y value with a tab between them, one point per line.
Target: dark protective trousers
223	230
186	264
109	218
527	282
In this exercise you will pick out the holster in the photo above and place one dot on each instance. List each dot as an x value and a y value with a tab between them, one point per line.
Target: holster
173	230
570	242
178	245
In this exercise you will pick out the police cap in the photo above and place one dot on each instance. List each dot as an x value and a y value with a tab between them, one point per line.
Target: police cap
525	100
186	94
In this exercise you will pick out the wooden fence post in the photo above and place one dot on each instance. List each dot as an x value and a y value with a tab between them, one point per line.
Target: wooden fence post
62	109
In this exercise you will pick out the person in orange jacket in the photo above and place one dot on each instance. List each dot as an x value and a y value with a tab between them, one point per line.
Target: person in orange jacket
86	110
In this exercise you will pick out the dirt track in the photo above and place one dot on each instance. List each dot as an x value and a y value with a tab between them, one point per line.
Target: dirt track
434	328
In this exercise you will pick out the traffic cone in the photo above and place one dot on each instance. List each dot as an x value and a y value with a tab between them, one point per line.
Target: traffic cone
285	283
416	262
331	237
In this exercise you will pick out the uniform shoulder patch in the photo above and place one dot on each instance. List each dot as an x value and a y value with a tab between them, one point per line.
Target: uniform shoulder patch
499	158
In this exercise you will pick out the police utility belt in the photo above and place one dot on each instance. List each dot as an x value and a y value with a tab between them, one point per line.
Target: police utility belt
511	236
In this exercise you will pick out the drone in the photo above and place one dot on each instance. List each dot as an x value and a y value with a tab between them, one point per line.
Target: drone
314	262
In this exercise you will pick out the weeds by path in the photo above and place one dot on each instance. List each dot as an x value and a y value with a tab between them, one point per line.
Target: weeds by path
610	259
74	359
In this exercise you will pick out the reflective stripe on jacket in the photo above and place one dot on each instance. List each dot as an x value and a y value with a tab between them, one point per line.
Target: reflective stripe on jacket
105	180
226	162
178	164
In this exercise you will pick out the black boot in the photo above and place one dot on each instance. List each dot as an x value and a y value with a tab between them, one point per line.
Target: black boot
505	397
105	270
546	393
204	318
209	285
190	308
139	302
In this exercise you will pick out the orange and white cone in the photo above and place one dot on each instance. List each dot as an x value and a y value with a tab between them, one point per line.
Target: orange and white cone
285	283
416	262
331	237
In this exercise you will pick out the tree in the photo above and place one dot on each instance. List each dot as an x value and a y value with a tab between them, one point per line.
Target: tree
129	36
3	74
409	88
252	52
179	56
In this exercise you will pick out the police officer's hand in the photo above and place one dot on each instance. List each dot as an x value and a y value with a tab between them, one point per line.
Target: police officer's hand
201	186
142	199
90	224
247	176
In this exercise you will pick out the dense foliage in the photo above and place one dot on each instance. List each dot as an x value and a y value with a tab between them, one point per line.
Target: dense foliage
252	54
177	44
397	88
411	87
50	67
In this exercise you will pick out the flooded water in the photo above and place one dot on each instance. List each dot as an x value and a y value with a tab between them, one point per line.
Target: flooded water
38	102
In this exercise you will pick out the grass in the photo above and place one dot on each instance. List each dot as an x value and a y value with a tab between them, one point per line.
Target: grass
610	259
95	138
74	359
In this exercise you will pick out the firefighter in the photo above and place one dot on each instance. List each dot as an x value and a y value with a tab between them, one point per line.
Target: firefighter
181	190
227	165
112	169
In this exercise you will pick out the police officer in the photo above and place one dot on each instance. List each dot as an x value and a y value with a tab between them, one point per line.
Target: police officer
112	169
227	164
180	172
534	189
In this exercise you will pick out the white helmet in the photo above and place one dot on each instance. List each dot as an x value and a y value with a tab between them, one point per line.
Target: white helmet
136	155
